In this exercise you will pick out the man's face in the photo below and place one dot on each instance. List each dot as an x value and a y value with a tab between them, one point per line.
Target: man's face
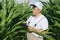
36	11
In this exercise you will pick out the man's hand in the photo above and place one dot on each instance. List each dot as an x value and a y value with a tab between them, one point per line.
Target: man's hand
24	22
31	29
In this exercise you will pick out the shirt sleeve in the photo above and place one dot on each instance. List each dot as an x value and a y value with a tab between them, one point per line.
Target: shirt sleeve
43	24
28	19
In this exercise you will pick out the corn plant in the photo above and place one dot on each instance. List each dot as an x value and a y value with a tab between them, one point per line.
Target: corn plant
11	15
52	12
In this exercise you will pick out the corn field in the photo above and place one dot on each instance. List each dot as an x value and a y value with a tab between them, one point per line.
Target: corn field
13	14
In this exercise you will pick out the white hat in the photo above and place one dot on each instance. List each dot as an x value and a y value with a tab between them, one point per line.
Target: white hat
37	4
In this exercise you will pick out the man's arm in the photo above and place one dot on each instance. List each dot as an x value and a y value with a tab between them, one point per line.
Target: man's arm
38	31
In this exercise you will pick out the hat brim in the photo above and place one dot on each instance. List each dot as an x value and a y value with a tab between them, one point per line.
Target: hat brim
33	5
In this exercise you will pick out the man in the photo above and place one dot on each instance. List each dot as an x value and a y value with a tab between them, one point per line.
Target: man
37	23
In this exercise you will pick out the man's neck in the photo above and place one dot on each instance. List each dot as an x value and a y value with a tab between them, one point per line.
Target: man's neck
37	15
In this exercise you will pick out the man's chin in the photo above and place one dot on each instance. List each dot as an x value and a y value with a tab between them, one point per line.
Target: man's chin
33	14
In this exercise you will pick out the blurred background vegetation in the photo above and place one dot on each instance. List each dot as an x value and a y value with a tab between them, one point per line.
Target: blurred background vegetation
13	14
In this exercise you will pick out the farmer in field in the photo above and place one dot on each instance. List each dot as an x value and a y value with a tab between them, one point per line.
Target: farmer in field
37	23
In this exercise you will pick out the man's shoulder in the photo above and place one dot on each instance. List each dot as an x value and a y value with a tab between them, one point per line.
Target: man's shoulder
44	16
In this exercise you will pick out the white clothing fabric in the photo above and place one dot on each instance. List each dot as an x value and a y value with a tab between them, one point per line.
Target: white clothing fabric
41	23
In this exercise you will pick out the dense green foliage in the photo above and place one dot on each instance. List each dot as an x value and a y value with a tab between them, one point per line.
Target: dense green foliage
12	14
52	12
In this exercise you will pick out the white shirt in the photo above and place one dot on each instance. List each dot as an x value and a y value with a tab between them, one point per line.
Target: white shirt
40	22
